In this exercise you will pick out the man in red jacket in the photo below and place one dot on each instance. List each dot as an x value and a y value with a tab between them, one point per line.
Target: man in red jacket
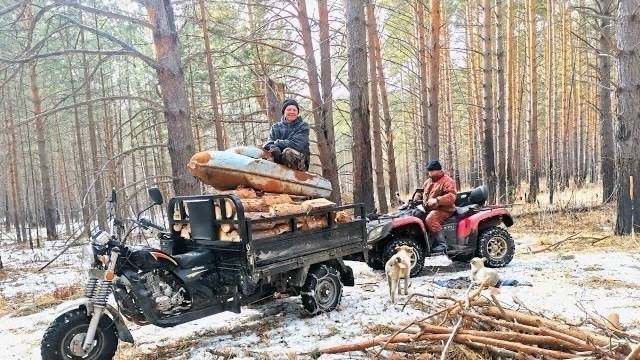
438	199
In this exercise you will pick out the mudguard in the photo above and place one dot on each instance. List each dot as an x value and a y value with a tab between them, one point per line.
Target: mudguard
123	332
469	225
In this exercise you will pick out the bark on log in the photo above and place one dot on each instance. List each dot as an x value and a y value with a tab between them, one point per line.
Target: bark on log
254	205
245	193
277	199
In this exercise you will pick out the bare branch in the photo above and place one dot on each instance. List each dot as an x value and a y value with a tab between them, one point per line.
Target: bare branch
105	13
65	52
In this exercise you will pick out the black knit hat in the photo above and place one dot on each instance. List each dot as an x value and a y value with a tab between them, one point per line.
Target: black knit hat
288	102
433	165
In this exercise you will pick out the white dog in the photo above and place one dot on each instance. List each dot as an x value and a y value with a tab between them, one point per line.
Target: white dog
481	275
398	267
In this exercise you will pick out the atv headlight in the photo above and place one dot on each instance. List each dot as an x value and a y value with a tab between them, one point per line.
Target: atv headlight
88	257
375	233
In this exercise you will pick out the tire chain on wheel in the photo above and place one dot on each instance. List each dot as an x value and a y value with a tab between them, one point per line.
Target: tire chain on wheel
308	293
52	339
494	232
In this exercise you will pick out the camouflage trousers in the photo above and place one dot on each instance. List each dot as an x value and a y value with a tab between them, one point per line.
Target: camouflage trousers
290	158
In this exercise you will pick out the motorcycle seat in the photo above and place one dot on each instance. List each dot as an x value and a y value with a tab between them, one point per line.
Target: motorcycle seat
194	258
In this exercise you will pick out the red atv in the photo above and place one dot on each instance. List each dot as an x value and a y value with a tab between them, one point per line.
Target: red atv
472	230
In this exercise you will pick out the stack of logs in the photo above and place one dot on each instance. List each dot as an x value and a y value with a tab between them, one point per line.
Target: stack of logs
258	205
483	328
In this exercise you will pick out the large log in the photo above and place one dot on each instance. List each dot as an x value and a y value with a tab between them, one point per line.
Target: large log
343	217
319	203
286	209
229	236
277	199
254	205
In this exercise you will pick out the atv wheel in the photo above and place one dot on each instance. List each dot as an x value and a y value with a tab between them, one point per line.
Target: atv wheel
417	256
374	261
496	245
322	291
64	337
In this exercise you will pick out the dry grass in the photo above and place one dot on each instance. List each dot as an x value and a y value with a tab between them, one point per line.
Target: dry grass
176	350
23	305
604	283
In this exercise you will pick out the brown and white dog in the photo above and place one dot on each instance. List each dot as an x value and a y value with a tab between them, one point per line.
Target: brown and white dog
398	267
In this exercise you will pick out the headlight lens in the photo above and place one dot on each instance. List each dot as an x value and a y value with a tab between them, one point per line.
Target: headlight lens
100	238
88	257
375	232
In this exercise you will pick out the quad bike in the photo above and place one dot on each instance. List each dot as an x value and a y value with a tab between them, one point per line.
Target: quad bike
474	229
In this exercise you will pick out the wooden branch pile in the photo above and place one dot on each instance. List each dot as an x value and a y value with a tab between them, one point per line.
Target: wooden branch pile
482	328
259	205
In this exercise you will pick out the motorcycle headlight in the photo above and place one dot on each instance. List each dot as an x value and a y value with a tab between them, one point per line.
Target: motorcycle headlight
100	238
88	257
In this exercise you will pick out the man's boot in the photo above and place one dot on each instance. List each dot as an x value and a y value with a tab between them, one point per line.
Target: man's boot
439	245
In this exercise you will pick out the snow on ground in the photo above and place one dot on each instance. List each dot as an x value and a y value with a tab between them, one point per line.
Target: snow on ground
600	281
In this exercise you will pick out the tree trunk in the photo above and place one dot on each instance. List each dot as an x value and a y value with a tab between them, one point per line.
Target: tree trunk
607	155
487	102
564	118
628	125
424	88
551	118
533	106
391	158
14	183
213	93
500	111
359	102
43	157
434	80
510	112
323	120
100	195
173	92
375	114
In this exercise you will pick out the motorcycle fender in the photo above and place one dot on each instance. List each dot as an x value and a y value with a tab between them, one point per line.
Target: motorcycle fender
123	332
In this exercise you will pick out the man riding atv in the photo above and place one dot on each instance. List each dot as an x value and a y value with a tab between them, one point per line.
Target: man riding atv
438	199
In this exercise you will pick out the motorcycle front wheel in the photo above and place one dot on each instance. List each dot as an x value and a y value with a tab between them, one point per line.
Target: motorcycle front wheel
64	337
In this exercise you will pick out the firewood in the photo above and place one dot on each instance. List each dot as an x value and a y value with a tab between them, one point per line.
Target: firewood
229	236
319	203
285	209
254	205
312	222
277	199
343	217
245	193
224	227
277	230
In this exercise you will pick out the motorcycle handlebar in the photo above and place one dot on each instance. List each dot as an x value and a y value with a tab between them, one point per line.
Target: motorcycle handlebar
148	224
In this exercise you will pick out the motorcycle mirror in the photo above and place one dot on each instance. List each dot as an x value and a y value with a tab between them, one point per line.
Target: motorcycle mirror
155	195
113	195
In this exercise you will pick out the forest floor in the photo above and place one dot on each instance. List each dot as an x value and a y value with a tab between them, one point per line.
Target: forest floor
588	272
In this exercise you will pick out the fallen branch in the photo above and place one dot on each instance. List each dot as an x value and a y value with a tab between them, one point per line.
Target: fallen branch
556	244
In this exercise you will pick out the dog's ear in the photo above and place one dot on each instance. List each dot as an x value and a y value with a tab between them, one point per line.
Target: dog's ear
484	260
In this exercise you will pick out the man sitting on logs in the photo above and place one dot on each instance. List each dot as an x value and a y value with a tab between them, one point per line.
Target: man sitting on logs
288	140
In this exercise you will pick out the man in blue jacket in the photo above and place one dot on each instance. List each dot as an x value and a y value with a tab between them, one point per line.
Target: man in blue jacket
288	140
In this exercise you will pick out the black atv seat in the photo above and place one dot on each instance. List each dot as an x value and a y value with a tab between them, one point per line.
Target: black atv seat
192	259
477	196
463	210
